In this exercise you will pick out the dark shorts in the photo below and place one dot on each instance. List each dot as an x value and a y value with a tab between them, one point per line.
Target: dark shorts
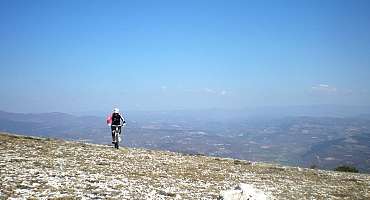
114	128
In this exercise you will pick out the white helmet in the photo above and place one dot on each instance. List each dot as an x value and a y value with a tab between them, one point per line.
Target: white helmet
116	110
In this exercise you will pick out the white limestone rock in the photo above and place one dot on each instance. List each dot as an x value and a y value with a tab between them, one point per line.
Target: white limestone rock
243	192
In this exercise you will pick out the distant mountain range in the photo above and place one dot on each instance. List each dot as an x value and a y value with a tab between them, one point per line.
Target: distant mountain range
56	125
324	142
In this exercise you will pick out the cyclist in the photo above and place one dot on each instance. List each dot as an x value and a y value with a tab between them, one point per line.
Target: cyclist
115	119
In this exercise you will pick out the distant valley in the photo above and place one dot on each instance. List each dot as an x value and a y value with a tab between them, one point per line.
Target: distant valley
323	142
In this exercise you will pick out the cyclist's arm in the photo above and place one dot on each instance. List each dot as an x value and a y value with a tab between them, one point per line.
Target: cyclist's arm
123	120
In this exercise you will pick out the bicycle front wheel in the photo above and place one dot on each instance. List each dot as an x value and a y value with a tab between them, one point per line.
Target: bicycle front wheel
116	144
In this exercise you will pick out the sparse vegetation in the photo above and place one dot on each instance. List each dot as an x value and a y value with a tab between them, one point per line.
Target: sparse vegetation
241	162
346	168
314	166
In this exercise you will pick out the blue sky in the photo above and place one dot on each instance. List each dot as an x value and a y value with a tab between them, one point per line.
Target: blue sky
74	56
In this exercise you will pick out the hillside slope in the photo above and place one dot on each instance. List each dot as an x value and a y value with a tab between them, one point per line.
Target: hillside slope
44	168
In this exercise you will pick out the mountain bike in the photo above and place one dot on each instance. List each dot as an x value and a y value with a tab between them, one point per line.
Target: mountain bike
117	138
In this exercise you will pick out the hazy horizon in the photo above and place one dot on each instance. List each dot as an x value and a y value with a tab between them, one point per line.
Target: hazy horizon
217	114
89	56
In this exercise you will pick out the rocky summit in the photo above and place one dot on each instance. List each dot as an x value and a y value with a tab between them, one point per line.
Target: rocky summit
41	168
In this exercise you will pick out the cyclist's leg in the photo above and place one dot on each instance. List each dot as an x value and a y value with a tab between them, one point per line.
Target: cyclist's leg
112	131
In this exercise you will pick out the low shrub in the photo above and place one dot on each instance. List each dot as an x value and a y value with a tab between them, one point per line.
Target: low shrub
346	168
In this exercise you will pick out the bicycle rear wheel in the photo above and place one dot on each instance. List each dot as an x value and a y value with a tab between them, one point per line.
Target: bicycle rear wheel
116	144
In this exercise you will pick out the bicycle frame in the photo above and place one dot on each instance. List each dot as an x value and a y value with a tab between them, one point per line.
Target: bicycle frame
116	135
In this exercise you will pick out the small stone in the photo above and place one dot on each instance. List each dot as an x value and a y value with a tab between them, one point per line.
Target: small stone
164	193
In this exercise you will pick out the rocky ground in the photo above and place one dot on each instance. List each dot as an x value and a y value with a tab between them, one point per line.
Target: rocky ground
37	168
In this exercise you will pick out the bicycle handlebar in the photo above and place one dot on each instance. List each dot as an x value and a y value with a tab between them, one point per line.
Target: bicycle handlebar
117	125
